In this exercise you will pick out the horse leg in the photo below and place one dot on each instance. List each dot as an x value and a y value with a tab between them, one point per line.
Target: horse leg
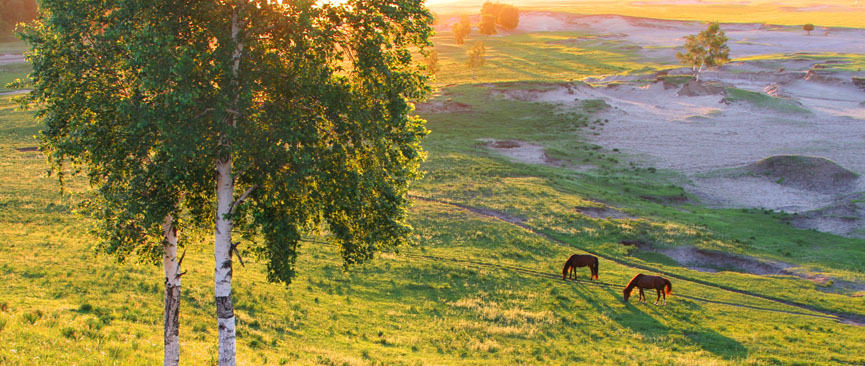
659	296
665	297
642	295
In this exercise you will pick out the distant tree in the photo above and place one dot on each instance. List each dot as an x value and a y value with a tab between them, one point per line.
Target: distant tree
505	15
462	29
476	57
509	17
271	119
808	28
432	62
488	24
705	49
490	8
13	12
458	36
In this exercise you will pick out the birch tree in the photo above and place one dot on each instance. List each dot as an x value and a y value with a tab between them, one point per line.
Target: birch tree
286	117
705	49
477	57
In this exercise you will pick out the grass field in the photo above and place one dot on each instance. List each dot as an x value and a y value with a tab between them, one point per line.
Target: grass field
473	289
539	57
62	305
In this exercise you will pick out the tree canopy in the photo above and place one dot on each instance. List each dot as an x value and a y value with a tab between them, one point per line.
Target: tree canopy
488	24
705	49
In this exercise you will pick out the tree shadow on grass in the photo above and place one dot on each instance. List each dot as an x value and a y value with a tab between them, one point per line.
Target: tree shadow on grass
644	319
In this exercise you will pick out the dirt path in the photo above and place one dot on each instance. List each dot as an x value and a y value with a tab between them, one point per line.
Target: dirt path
11	59
14	92
847	318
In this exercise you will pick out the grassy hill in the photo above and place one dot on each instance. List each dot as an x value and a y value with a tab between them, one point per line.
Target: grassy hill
482	283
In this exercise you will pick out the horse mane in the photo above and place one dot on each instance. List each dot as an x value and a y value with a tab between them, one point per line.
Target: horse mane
633	282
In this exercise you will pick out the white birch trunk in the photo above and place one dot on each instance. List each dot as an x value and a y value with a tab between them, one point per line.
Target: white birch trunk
222	239
703	63
171	266
223	270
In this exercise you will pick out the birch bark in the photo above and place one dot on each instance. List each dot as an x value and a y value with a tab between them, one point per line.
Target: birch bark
171	266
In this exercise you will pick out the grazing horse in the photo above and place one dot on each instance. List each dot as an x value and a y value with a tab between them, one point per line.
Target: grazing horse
642	281
580	261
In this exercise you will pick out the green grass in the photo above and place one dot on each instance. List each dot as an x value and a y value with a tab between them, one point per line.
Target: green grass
12	72
63	305
548	56
764	101
851	62
10	45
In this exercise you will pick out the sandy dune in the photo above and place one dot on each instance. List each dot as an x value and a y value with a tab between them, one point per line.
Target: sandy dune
708	137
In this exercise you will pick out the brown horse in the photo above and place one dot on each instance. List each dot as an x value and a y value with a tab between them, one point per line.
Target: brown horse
577	260
642	281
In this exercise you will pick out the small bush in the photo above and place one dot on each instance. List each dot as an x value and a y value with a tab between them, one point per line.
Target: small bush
85	308
33	316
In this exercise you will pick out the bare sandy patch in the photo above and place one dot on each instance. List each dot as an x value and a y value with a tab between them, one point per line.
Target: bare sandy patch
525	152
697	130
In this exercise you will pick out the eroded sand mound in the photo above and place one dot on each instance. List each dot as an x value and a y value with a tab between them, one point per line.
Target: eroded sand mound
442	106
695	88
805	172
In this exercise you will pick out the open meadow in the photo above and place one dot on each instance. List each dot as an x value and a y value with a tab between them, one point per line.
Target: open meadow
580	134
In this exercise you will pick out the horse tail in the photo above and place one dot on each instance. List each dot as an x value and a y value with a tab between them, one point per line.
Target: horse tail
595	269
669	286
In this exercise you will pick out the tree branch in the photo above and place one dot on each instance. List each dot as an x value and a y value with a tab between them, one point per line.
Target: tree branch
237	253
179	261
242	198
